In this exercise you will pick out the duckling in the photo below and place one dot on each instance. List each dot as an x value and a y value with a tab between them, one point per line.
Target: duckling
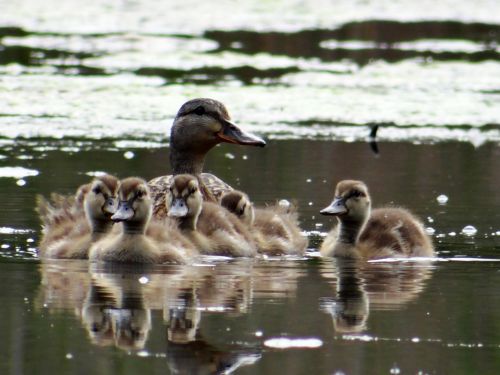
199	125
275	229
75	224
213	229
366	234
140	239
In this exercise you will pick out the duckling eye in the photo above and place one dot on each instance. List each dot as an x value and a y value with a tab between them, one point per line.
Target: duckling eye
242	210
200	111
192	190
96	190
357	194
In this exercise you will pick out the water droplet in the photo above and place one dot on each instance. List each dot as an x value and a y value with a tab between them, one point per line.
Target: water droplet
395	370
128	155
442	199
143	280
310	203
69	356
30	240
469	230
5	246
452	234
318	225
229	156
21	182
430	231
244	157
430	219
308	180
283	203
415	339
258	333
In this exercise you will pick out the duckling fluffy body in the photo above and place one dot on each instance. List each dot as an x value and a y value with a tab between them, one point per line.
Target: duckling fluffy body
275	229
74	224
366	234
213	229
199	125
140	239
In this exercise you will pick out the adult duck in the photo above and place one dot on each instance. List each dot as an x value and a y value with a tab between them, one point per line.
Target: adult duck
200	125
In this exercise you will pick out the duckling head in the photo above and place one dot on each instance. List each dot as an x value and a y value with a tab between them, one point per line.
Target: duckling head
239	204
135	205
351	202
99	197
184	199
200	125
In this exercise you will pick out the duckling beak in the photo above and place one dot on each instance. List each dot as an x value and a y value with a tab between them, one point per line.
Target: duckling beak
230	133
178	208
123	213
337	207
110	206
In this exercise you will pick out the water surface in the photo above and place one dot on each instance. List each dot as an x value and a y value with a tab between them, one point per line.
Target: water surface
92	87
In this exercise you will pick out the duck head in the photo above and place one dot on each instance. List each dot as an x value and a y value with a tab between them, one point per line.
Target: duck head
239	204
200	125
99	199
184	200
351	202
134	205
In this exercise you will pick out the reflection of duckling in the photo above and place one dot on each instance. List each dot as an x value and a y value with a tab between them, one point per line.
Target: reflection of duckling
362	287
350	309
114	311
386	232
214	230
199	125
70	232
275	229
140	240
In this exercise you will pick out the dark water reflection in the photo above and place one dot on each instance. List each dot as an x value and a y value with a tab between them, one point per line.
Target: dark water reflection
438	317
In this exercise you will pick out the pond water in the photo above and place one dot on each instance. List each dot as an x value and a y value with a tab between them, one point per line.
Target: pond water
93	87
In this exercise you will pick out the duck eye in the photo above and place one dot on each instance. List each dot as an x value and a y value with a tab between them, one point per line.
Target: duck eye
200	111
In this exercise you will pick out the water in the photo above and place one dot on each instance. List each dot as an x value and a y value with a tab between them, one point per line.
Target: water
93	87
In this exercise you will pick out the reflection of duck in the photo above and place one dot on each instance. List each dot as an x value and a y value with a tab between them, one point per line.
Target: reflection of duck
187	350
199	125
68	231
214	230
140	240
114	312
363	286
385	232
275	229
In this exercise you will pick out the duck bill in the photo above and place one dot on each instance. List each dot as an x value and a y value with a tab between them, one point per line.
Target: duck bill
336	208
230	133
110	207
178	208
124	212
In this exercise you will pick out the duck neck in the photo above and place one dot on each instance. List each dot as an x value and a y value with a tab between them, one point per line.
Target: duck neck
134	227
186	162
100	227
188	223
350	230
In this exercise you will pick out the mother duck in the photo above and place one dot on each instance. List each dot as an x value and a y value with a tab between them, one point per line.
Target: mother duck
200	125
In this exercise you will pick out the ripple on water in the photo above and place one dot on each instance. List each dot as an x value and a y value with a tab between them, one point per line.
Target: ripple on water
17	172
